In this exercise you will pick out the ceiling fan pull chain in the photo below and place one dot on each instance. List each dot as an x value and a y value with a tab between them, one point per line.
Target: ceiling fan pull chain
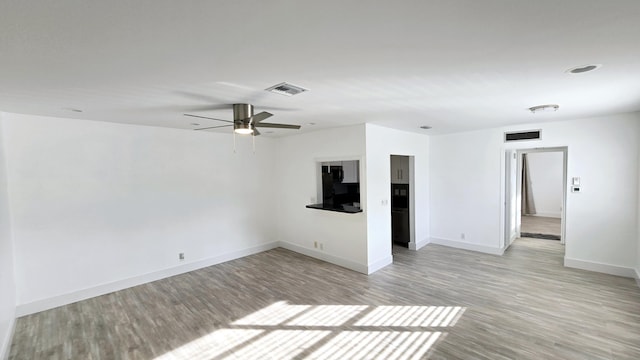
253	141
234	142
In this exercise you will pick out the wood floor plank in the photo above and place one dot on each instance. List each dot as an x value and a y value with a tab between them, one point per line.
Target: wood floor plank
540	225
437	303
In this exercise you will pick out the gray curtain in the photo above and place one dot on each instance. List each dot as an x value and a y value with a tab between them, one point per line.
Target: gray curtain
528	206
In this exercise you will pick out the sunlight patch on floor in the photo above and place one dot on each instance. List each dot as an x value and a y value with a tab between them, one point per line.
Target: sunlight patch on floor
386	345
328	315
280	344
284	331
274	314
422	316
211	345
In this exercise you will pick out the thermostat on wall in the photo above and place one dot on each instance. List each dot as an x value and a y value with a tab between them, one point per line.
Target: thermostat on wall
575	184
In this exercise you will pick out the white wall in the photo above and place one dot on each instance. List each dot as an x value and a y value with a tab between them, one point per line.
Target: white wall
381	144
7	283
465	188
600	221
97	204
546	182
343	236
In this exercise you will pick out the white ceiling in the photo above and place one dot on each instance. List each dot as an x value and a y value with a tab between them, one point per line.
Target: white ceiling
451	64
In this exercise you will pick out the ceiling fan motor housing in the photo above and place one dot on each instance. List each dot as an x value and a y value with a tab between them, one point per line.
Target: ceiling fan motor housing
242	112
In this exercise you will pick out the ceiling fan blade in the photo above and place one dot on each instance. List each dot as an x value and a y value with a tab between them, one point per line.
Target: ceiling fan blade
261	116
208	107
209	118
213	127
278	126
255	132
198	97
275	108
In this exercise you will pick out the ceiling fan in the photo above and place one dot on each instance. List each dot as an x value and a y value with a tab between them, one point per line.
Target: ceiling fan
245	122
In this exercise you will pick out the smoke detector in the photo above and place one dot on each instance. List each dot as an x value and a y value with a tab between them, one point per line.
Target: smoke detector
286	89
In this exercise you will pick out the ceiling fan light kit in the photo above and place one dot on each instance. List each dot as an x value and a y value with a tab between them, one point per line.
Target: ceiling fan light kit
242	129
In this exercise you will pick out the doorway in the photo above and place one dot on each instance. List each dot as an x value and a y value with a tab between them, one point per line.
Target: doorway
535	191
402	201
541	194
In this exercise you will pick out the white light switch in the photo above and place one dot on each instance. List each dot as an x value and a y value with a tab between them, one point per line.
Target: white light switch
575	181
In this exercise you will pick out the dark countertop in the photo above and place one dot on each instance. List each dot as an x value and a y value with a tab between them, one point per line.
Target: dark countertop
349	209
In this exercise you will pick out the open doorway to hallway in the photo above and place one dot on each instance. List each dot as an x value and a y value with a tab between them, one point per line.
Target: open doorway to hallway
541	194
402	201
535	194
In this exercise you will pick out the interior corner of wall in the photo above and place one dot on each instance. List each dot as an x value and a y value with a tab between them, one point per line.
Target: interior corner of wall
5	344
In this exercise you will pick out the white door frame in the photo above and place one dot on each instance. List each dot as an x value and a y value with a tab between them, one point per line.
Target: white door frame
510	196
504	244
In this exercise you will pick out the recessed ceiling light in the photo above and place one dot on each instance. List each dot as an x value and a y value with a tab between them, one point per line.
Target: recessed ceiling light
312	123
425	127
195	124
584	68
72	109
544	108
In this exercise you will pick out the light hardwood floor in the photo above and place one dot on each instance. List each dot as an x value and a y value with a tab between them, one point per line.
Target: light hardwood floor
437	303
540	225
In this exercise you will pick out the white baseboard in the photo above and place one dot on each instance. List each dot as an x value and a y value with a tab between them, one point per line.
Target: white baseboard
5	346
377	265
60	300
638	277
468	246
600	267
419	244
351	265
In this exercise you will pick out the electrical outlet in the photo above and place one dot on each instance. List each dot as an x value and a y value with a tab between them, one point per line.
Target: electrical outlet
462	236
315	244
181	256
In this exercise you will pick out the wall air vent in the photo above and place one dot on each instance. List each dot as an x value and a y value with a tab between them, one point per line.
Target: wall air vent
286	89
522	135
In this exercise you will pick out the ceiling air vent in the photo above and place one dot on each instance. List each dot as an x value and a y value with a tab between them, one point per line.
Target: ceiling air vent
286	89
522	135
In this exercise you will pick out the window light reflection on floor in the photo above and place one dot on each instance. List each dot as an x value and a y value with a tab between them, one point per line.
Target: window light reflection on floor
328	315
274	314
386	345
421	316
280	344
212	345
284	331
